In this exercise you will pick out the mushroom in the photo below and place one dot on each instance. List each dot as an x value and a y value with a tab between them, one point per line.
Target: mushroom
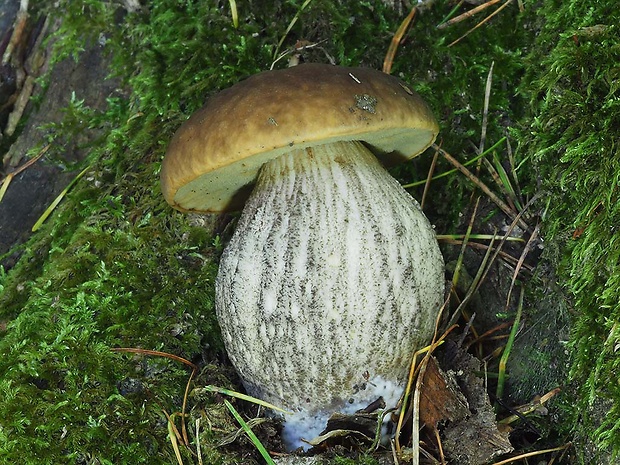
333	277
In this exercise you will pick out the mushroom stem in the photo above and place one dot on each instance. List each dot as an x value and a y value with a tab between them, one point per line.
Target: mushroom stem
331	282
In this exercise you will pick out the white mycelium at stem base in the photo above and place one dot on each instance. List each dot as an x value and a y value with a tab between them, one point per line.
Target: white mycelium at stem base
332	280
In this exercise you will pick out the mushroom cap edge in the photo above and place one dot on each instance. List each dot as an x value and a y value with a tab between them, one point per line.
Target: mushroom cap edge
214	157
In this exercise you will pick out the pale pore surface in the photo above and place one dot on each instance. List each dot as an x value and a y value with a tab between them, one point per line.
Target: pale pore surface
332	278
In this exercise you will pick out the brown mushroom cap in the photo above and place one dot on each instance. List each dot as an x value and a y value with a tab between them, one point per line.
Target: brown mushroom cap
214	157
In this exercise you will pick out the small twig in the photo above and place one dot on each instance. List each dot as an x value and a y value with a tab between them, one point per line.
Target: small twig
488	333
18	30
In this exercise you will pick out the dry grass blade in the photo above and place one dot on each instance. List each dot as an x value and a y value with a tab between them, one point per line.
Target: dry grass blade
459	263
474	285
485	112
480	23
524	254
508	233
413	372
530	407
391	53
198	450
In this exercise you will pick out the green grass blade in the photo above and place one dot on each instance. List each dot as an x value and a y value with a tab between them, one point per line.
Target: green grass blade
245	397
499	392
48	211
259	446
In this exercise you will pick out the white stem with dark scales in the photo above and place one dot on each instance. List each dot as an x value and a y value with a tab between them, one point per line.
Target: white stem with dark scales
332	280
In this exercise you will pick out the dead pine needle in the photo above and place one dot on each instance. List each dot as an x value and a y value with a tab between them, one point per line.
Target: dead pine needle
176	358
467	14
9	177
485	20
429	178
533	454
473	178
398	35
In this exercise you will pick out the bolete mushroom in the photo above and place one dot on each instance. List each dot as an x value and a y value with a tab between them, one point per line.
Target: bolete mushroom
333	277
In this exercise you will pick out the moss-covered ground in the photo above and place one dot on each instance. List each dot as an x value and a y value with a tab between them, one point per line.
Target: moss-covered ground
116	267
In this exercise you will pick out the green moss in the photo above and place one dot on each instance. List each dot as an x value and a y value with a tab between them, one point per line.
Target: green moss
574	82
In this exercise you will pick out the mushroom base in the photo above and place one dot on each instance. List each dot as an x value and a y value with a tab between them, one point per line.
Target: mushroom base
333	278
303	426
